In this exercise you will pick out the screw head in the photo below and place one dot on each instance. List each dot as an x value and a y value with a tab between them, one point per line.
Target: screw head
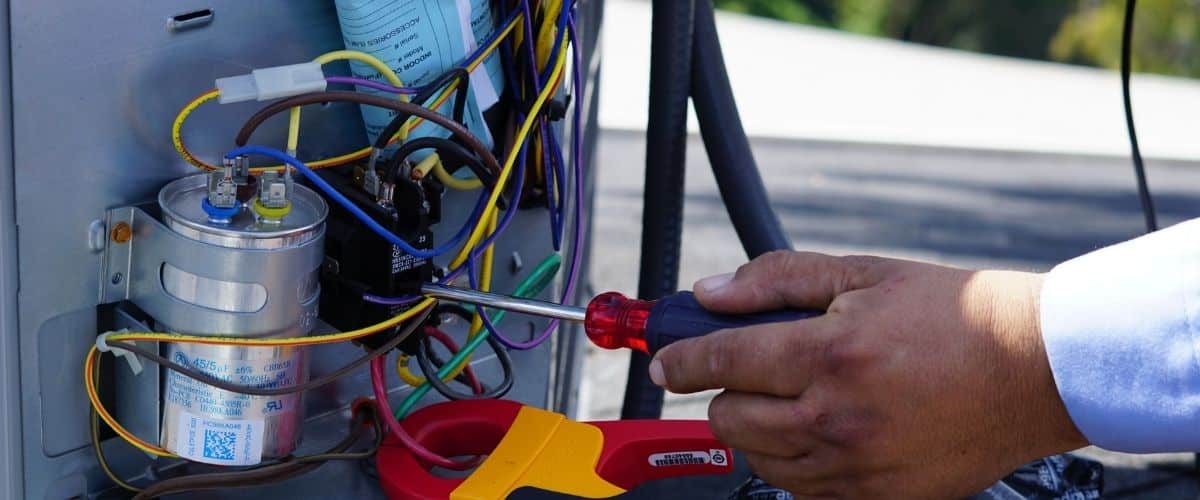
117	277
121	233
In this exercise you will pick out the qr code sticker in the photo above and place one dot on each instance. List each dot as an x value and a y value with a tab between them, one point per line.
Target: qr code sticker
219	445
219	441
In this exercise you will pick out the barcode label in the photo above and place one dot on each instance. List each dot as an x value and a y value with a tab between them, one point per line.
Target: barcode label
714	456
220	442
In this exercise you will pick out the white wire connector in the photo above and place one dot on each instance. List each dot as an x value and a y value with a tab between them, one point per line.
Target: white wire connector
272	83
135	363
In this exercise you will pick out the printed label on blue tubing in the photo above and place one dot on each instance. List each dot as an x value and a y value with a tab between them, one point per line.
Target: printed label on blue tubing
420	40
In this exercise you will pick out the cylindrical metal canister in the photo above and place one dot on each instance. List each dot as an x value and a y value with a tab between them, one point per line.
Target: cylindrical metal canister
201	422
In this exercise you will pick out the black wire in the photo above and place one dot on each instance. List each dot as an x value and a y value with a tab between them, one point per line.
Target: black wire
461	75
1139	169
205	378
430	372
425	361
446	149
438	363
457	310
277	472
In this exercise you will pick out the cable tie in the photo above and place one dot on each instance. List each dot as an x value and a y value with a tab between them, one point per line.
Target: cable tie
135	363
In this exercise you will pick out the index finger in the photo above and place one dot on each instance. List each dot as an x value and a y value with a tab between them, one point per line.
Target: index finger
787	279
772	358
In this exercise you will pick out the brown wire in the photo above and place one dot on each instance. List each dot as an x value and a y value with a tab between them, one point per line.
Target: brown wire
459	131
275	472
205	378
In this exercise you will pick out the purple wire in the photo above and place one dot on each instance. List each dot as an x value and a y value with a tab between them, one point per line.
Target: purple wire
477	251
392	301
555	216
579	230
519	172
533	73
576	248
509	215
383	87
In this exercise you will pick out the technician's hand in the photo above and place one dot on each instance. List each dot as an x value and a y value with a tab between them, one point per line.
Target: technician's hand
921	381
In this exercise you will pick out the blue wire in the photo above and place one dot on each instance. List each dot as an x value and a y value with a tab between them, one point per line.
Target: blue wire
491	38
560	181
341	199
551	189
519	173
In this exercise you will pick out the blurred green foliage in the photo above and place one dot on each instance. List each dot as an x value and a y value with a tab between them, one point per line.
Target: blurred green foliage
1080	31
1165	36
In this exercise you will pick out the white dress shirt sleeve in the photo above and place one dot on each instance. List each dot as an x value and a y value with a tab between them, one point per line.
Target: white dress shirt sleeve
1120	329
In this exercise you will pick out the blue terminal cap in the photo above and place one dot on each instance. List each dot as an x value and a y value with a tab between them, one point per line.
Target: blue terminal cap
217	215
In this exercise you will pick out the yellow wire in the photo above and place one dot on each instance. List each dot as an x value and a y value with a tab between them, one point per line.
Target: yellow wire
90	373
485	277
293	135
177	125
449	180
490	221
91	366
91	361
485	283
511	160
190	107
422	169
407	376
546	35
433	164
112	476
277	342
293	139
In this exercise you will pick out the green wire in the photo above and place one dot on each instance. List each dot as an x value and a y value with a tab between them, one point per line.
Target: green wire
531	286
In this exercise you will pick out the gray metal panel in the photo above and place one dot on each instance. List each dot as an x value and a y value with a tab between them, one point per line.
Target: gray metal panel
11	465
95	86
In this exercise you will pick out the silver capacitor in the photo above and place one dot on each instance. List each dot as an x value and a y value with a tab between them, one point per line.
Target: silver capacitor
277	300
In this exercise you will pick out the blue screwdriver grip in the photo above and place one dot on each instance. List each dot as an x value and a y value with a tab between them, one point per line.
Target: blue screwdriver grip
679	316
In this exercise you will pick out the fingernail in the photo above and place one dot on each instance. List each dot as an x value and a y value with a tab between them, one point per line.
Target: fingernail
712	284
656	373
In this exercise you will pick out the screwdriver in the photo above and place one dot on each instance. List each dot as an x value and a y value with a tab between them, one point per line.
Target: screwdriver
614	321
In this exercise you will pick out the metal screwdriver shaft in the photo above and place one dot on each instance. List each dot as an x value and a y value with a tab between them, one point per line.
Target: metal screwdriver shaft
498	301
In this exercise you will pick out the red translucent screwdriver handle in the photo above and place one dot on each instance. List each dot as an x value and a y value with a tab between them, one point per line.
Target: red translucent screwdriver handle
614	321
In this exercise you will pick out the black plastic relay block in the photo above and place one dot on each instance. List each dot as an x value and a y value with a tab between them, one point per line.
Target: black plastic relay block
357	261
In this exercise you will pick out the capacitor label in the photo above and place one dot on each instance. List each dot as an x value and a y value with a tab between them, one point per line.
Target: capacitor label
219	442
266	373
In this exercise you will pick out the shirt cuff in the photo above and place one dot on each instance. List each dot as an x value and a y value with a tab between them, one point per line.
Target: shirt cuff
1118	326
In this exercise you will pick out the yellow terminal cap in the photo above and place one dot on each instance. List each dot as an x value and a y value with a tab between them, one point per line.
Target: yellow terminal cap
271	213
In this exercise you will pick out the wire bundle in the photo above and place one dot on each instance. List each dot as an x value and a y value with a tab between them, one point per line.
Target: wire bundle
535	60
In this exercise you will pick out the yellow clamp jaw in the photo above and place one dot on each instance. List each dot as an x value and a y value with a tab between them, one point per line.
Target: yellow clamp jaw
544	450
